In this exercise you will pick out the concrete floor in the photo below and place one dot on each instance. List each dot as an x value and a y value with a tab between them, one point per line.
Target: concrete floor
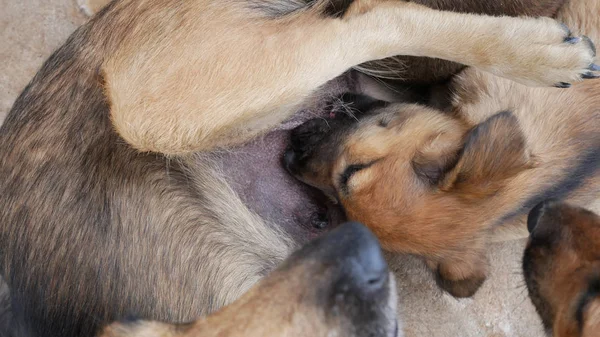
31	29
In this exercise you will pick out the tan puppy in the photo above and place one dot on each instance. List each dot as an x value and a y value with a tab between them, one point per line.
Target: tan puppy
562	269
437	183
337	285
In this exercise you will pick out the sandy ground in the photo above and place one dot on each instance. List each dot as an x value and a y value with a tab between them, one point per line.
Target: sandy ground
31	29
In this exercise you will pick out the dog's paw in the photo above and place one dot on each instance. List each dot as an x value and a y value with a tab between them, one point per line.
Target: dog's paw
461	278
91	7
463	288
543	52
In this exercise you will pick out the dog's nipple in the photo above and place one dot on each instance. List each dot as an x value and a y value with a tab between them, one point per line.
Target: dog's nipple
319	220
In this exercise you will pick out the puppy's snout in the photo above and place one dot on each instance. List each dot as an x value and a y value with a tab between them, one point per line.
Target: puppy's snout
309	134
363	268
303	141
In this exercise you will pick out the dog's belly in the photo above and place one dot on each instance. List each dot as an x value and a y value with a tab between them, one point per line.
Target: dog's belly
254	171
256	174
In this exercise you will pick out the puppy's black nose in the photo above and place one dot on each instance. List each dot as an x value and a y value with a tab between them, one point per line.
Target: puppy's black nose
363	269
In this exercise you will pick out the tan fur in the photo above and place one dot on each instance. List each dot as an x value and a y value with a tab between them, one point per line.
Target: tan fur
508	160
313	293
226	84
277	301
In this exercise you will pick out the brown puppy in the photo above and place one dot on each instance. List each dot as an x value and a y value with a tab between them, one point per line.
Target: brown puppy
91	229
337	285
562	269
436	183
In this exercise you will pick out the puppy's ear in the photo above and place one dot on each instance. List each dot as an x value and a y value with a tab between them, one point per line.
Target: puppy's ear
493	151
432	162
588	309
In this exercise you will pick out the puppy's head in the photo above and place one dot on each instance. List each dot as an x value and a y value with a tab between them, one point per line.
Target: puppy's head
561	266
337	285
409	172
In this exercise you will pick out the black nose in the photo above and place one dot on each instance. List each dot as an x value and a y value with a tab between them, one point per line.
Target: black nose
536	214
363	269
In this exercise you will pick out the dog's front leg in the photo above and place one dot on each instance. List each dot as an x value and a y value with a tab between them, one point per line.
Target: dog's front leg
535	52
225	75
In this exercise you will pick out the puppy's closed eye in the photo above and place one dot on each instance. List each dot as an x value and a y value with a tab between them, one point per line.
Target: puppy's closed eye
349	172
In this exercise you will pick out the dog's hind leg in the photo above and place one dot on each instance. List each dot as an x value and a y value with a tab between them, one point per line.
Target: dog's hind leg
220	74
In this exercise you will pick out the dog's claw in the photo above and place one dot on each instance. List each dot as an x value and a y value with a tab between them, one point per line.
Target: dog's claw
563	85
572	39
590	75
567	30
590	43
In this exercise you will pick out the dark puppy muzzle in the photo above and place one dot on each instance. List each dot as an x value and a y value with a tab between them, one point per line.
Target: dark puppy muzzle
357	254
303	141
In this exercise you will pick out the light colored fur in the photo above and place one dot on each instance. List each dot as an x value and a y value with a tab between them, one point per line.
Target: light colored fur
279	298
206	74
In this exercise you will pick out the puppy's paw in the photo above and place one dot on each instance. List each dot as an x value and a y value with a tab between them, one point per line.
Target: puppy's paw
463	288
460	279
91	7
543	52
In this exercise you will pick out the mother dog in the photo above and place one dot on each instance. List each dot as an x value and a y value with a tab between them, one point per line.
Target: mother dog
96	222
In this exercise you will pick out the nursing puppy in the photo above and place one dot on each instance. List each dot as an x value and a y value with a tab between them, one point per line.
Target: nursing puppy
437	183
93	226
561	266
337	285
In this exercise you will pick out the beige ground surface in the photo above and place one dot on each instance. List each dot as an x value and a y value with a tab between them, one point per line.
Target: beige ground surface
31	29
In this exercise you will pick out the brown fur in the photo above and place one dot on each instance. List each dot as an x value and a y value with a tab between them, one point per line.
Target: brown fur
437	184
562	269
93	229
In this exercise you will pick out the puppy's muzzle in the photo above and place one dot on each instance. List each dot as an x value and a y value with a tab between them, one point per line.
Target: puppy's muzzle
363	269
303	142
